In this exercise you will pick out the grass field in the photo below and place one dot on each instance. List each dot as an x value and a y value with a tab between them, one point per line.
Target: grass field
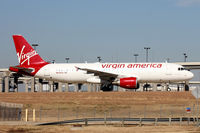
98	129
122	104
36	100
116	104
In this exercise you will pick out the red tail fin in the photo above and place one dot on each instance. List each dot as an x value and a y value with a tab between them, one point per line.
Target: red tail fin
29	60
27	56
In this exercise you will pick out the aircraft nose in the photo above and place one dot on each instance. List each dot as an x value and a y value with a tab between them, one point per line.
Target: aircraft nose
190	75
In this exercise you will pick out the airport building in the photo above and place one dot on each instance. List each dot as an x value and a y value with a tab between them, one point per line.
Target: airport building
11	82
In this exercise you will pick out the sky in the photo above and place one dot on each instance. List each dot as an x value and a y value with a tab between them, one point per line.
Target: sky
112	29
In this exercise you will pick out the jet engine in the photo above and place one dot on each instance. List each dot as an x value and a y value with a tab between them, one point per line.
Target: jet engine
129	83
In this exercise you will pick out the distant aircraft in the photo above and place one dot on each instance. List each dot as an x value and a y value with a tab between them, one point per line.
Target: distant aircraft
126	75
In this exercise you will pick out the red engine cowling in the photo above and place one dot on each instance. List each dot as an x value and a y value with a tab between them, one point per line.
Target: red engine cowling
129	83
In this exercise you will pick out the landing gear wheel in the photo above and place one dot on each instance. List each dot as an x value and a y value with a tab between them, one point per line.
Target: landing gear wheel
108	87
187	87
169	89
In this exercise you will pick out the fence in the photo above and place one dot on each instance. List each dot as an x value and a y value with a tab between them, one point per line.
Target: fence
125	112
10	111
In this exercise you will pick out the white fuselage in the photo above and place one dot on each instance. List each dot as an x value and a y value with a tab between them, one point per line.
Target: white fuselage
145	72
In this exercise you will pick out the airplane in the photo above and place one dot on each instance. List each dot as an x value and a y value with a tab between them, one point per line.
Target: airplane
125	75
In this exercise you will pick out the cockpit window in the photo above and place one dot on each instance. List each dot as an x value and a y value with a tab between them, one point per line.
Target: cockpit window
181	68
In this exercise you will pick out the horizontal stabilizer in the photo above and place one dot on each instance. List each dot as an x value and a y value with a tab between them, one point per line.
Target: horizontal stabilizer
21	69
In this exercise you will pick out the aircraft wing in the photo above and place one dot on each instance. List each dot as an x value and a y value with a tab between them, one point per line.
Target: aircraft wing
101	74
189	65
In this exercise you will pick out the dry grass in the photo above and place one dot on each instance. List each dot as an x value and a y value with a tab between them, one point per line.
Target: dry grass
120	104
52	100
98	129
115	104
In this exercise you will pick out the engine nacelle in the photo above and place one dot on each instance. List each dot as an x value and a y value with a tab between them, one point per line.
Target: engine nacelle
129	83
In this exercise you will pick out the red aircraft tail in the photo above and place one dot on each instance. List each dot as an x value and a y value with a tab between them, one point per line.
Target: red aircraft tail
29	60
27	56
